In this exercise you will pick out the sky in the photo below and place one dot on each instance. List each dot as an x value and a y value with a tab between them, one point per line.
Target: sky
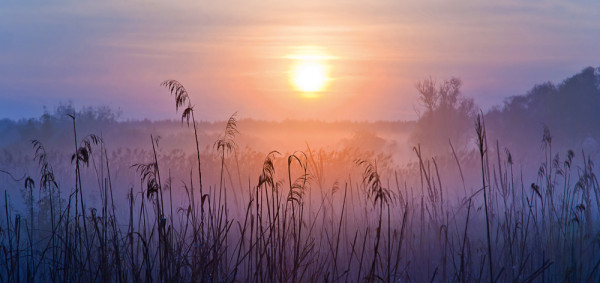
239	55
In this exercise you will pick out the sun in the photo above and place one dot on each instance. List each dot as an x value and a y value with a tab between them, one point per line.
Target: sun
309	74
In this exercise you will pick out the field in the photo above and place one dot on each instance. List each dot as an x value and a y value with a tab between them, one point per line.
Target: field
314	141
232	213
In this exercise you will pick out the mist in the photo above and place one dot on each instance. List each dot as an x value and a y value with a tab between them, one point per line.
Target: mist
534	153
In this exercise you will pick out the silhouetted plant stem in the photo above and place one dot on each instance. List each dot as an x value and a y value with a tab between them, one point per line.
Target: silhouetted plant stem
481	142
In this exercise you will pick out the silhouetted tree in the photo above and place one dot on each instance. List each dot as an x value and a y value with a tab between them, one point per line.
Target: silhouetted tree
447	116
569	110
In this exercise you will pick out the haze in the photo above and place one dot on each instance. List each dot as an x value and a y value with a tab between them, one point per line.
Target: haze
308	141
236	56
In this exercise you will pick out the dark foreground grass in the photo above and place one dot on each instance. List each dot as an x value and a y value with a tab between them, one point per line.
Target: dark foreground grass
272	230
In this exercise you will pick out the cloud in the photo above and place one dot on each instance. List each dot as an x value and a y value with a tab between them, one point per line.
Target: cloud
233	53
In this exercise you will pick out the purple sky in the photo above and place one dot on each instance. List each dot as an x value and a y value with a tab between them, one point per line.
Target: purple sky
235	55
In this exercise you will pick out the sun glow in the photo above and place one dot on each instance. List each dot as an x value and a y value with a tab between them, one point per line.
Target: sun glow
309	74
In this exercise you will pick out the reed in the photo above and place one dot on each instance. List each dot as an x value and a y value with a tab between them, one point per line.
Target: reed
288	225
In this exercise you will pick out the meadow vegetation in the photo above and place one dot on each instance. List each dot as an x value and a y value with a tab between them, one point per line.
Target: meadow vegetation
229	213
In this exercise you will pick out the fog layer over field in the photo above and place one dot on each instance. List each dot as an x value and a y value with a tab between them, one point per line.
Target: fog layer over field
415	200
